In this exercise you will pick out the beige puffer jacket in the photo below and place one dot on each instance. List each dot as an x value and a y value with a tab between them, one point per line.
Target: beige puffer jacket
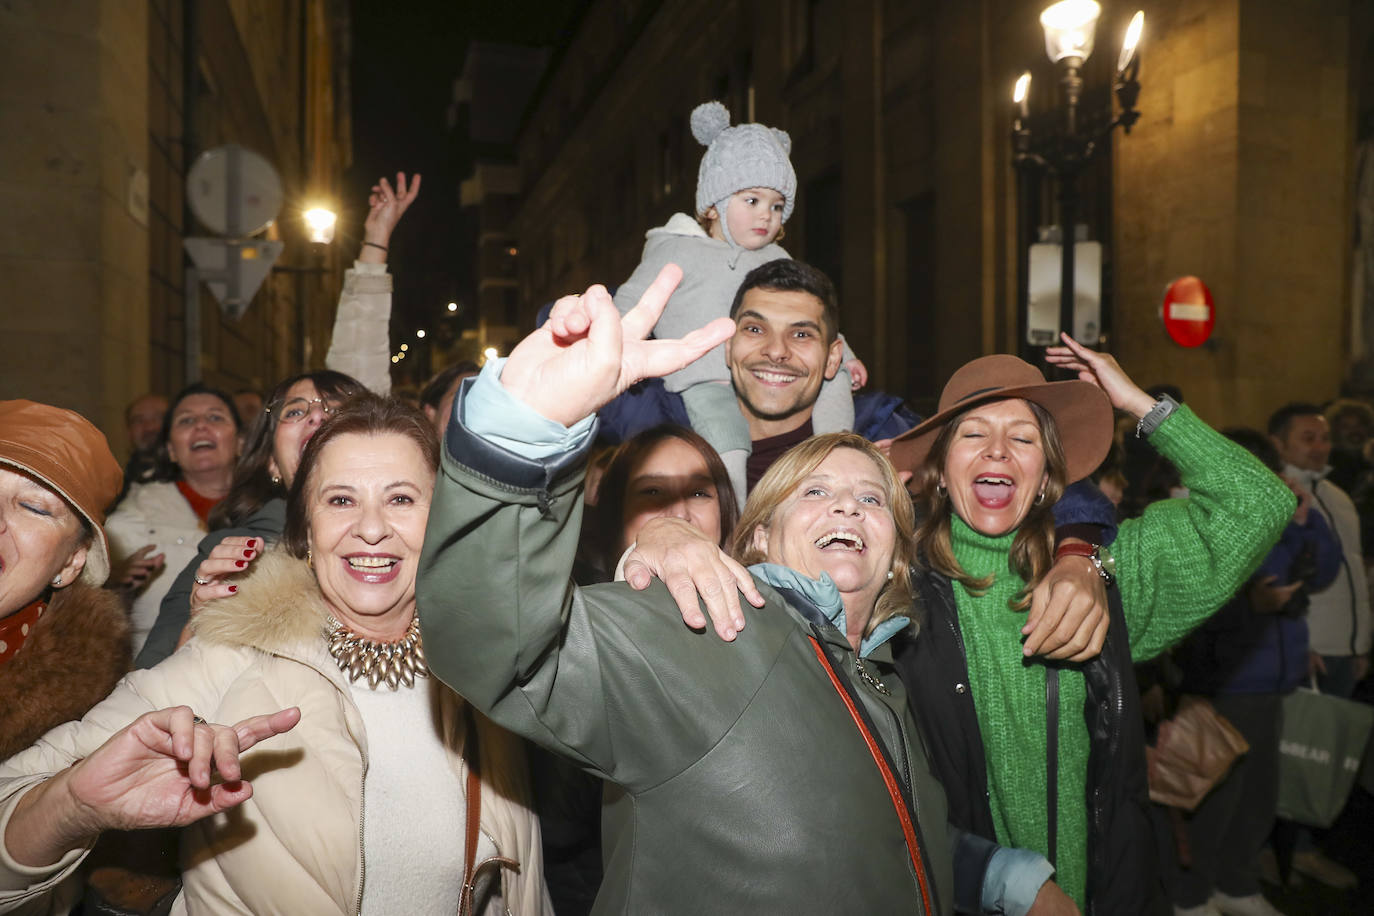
296	845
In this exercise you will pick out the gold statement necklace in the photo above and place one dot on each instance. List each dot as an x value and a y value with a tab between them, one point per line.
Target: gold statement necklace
390	663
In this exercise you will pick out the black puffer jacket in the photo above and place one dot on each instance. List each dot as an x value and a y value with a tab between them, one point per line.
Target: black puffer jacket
1123	874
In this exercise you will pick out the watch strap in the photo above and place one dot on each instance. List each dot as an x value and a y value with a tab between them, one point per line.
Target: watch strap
1088	551
1155	416
1075	549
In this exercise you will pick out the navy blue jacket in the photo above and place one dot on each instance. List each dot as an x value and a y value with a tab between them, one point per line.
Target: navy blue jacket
1240	651
877	414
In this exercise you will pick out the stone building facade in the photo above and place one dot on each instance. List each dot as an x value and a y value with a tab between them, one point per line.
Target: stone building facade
1239	171
104	104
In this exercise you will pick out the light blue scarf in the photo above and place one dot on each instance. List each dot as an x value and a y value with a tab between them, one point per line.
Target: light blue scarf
826	597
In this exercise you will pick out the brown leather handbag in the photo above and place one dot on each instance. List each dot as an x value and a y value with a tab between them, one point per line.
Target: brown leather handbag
1194	752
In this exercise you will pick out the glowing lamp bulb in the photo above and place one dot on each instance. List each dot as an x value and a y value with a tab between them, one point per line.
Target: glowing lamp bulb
320	223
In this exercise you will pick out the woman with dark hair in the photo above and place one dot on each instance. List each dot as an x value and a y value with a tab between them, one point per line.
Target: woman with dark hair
667	471
328	622
253	512
436	398
160	522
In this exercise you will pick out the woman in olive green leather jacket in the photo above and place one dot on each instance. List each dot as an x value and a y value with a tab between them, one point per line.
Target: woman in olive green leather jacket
741	776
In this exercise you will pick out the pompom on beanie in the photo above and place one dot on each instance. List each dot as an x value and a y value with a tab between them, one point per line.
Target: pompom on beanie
744	156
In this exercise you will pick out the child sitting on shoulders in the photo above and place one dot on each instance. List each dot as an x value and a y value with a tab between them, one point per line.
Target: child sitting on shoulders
746	189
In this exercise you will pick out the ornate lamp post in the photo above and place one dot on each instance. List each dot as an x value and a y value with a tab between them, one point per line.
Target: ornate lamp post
1066	143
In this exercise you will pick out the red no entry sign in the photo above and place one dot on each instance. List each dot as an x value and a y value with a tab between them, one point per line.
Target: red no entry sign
1188	312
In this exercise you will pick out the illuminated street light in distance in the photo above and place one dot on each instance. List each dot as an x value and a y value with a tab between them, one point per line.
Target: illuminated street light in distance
420	333
453	306
320	223
405	347
491	353
395	359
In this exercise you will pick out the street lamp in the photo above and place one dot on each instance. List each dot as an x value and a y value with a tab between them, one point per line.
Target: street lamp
1063	145
319	224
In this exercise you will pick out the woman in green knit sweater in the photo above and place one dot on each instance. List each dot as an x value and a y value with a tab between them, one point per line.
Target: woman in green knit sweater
988	467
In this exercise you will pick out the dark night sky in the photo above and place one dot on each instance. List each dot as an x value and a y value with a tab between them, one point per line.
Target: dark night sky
406	56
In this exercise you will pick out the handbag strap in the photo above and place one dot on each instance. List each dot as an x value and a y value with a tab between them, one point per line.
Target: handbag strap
1052	762
894	790
474	808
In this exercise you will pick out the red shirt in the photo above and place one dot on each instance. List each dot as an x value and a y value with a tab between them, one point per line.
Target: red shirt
200	505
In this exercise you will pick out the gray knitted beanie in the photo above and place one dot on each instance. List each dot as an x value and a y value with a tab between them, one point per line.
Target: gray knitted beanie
744	156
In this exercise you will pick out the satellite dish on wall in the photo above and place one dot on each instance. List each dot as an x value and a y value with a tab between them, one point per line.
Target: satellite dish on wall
233	191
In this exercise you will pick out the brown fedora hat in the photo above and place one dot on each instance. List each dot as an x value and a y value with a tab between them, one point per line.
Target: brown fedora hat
1081	411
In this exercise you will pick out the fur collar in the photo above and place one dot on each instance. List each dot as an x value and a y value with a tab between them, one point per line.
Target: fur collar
278	605
73	657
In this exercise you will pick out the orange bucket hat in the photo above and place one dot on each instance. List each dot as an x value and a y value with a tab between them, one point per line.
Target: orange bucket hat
67	454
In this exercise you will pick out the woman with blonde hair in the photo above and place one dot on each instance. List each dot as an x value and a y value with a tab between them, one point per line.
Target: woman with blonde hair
778	772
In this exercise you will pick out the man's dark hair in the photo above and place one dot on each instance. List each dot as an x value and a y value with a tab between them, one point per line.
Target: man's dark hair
1280	419
786	275
443	380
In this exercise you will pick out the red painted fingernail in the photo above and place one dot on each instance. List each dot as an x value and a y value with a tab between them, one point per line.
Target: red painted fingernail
233	588
252	542
240	563
248	553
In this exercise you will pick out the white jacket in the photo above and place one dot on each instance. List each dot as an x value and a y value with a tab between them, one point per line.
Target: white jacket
361	345
295	847
153	513
1338	621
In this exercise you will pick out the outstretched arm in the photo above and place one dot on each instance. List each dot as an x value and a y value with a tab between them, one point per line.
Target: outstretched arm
1184	558
157	772
361	343
587	352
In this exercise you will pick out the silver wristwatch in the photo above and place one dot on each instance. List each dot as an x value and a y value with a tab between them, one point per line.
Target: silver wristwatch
1150	422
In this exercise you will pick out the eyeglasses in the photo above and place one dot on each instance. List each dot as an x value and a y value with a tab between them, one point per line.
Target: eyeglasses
297	409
